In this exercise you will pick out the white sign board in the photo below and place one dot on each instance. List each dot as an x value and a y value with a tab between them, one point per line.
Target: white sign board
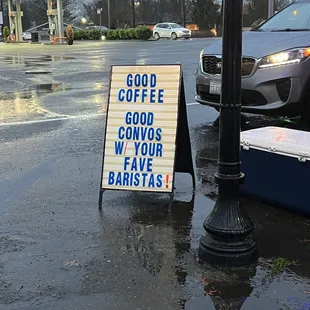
1	18
141	129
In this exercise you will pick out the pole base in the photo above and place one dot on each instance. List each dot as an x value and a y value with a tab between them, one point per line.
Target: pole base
227	252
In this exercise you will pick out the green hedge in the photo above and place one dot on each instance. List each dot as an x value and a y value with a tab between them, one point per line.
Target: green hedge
139	33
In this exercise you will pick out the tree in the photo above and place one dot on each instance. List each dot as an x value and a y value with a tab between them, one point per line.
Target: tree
280	4
35	12
258	9
205	13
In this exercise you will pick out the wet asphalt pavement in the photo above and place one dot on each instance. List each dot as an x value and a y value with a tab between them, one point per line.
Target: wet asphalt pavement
57	251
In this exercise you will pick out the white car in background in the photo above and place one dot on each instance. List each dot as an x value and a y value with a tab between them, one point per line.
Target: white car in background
170	30
27	36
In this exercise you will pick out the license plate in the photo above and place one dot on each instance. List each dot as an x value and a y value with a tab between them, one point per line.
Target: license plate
215	87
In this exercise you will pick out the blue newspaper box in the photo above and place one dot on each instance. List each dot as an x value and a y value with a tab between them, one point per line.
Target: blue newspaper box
276	162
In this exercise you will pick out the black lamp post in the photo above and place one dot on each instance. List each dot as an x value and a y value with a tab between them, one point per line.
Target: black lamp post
228	241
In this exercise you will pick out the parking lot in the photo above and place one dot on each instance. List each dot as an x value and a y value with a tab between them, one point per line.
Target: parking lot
58	252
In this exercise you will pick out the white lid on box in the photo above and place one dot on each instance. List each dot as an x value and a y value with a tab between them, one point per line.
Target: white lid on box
287	141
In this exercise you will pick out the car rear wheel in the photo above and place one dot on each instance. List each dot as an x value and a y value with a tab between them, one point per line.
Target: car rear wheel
156	36
174	36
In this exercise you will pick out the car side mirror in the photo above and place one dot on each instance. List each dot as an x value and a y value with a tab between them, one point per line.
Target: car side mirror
169	27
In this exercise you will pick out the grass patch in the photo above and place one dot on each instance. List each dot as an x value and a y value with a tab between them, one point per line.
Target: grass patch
280	264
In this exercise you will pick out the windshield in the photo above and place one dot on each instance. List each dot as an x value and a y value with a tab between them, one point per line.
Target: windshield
295	17
175	26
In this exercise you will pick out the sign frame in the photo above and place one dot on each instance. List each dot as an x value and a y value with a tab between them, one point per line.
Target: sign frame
181	115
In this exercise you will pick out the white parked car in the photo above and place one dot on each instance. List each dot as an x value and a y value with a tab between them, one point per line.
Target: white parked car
170	30
27	36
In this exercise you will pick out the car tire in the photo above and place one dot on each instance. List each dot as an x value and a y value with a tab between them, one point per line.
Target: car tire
174	36
156	36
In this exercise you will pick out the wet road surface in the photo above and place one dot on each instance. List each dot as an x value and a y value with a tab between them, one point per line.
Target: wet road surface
57	251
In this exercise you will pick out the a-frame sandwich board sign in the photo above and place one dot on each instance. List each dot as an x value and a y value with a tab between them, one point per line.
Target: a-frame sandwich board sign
146	134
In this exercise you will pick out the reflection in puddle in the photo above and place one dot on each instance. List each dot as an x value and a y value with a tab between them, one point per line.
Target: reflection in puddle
97	64
100	101
286	290
32	61
51	87
26	103
141	61
20	59
33	91
98	86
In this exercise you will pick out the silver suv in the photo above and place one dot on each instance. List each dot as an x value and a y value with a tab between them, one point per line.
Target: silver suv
275	66
170	30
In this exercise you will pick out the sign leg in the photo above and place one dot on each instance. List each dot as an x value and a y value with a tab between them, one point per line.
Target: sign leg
100	199
184	158
171	201
194	183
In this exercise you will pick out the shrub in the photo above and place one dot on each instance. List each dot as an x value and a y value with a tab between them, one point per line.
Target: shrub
89	34
140	33
6	33
131	33
112	35
257	23
143	33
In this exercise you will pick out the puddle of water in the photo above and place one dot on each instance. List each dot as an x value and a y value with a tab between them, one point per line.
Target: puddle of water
33	91
165	244
33	62
25	104
281	236
161	242
27	60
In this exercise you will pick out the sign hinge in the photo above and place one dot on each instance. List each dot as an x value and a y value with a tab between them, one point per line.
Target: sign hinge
272	149
246	146
302	159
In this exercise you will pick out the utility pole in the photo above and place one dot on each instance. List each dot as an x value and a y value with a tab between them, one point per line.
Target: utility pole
109	14
99	12
1	17
133	7
19	25
60	20
270	8
184	12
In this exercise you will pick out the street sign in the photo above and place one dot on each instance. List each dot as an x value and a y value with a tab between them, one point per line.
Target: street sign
1	18
99	11
146	137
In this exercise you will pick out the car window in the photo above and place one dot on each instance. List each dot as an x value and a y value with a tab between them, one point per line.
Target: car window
295	17
159	26
175	26
164	26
